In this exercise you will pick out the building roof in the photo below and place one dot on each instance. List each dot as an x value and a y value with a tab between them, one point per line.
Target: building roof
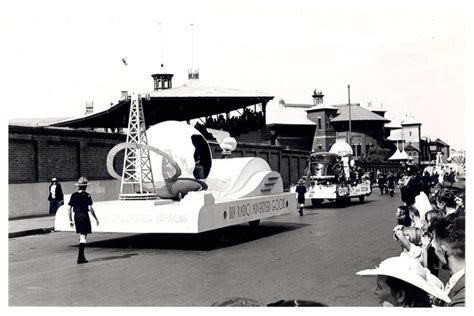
189	101
397	155
197	88
321	106
396	135
279	113
358	113
411	146
393	125
410	120
36	121
439	141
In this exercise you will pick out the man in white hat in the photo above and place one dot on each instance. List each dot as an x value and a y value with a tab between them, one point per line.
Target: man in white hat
55	196
81	204
402	281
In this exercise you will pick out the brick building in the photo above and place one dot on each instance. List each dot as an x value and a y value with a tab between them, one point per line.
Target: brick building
317	125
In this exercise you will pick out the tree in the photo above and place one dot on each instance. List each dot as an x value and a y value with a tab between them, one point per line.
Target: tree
376	154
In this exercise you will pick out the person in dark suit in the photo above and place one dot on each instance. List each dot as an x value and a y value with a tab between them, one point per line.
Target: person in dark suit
412	188
81	204
55	196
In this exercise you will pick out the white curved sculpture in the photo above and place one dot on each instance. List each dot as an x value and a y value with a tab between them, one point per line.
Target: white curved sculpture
181	141
342	148
180	159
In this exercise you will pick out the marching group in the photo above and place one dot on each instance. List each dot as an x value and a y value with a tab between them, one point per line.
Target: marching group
431	233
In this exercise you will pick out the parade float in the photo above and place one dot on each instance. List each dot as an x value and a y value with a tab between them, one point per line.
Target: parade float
170	183
328	177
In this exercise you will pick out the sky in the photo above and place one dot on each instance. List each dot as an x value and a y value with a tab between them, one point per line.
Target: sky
406	57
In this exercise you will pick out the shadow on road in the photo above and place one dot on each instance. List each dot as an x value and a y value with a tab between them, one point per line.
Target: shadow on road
114	257
338	204
212	240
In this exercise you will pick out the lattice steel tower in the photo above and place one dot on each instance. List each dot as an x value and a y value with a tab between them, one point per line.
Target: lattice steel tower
137	170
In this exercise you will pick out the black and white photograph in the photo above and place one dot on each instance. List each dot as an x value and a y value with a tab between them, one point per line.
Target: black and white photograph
207	154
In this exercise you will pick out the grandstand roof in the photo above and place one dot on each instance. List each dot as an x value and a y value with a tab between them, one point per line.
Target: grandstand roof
189	101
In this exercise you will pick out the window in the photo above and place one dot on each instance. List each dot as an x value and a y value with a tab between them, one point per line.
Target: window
410	133
319	123
320	147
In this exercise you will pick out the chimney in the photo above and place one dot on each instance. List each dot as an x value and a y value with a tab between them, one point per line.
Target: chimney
317	97
124	96
89	108
193	74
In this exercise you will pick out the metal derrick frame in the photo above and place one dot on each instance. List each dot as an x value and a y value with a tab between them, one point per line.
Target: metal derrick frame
136	163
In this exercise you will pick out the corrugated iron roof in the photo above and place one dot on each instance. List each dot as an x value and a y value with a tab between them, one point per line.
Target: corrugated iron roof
321	106
410	120
411	146
440	142
196	88
358	113
278	113
189	101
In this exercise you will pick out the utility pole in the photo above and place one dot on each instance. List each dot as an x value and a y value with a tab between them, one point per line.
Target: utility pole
350	123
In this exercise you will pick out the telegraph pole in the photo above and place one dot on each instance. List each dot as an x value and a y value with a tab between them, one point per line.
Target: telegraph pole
350	123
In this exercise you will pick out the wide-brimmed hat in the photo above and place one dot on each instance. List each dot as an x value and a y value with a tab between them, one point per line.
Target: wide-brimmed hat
301	181
54	179
411	271
82	181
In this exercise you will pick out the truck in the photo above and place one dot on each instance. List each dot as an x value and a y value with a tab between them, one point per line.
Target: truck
328	177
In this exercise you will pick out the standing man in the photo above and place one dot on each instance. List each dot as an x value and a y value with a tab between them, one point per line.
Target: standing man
381	181
81	204
55	196
449	245
411	186
301	190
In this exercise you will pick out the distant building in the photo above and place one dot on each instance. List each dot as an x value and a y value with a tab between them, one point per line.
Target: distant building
421	149
323	124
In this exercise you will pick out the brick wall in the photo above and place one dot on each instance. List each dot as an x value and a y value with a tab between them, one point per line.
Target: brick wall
36	154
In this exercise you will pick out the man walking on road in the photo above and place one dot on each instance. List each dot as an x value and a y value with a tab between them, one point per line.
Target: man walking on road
81	204
301	190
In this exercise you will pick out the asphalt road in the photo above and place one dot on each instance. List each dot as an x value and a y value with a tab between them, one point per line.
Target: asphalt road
313	257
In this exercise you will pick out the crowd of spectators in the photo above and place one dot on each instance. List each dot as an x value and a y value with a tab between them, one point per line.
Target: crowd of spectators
249	120
431	233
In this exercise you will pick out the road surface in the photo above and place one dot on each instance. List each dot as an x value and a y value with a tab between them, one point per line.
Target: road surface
313	257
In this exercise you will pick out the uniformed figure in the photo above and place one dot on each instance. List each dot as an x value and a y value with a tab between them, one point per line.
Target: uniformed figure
55	196
301	190
412	186
81	204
